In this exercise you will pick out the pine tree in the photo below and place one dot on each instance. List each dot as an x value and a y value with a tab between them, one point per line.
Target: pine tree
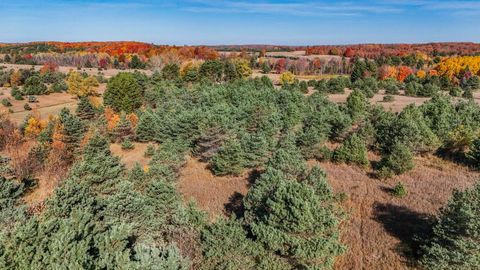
352	151
123	131
229	159
85	110
146	129
123	93
297	222
454	243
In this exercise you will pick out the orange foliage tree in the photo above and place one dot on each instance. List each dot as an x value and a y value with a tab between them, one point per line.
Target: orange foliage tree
403	73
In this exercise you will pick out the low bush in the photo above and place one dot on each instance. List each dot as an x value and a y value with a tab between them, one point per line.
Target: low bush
399	190
127	145
27	107
388	98
6	102
150	151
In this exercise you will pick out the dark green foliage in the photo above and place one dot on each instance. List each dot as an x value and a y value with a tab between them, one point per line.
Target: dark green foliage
352	151
296	221
409	127
73	128
27	107
413	88
146	127
474	153
303	87
123	93
127	145
388	98
455	91
398	161
266	67
454	243
212	70
226	246
230	159
85	109
150	151
392	89
34	86
136	63
357	105
399	190
171	72
16	93
359	68
428	90
6	102
59	86
467	93
32	99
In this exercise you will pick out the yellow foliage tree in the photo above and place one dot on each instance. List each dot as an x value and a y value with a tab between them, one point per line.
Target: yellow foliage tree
79	86
421	74
287	78
242	67
89	86
74	82
15	78
33	127
453	66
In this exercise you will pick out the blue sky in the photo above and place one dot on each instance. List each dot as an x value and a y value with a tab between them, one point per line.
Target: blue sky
285	22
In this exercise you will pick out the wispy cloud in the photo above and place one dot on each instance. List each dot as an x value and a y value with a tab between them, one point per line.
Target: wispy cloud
290	8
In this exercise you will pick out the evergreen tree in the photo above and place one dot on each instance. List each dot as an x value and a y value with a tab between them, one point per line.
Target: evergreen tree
352	151
171	72
146	129
123	131
123	93
85	109
229	159
295	221
454	243
357	105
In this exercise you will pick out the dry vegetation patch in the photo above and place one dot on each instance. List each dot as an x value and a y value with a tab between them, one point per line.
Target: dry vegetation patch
380	227
132	156
216	195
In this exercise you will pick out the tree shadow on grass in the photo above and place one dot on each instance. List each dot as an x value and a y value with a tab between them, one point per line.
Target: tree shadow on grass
409	226
235	205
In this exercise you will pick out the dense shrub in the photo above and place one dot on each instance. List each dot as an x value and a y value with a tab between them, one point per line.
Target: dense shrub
34	86
475	151
454	242
229	159
413	88
398	161
352	151
399	190
357	105
123	93
295	221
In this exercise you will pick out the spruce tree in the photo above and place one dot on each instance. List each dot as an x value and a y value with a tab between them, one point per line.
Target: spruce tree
85	109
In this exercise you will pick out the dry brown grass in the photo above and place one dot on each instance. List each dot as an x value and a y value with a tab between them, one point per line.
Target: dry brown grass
130	157
380	227
213	194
